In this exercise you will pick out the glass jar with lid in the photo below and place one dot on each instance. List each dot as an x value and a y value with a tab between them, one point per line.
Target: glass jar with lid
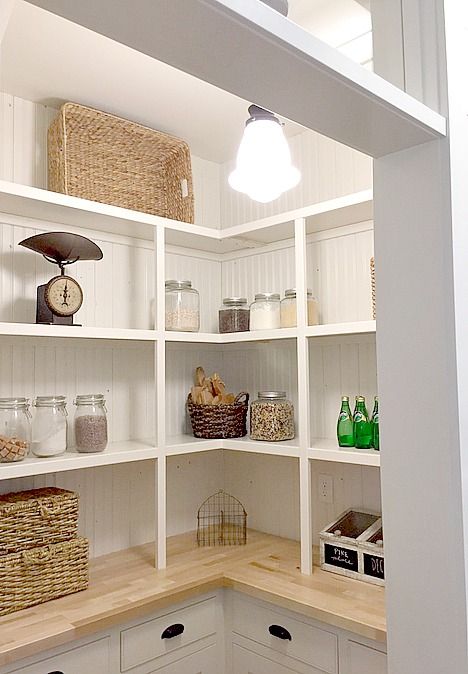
49	427
234	315
15	429
265	312
182	306
90	423
289	309
272	417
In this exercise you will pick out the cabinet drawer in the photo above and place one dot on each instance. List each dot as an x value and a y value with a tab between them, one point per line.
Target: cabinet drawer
92	657
245	661
306	643
365	660
155	638
203	662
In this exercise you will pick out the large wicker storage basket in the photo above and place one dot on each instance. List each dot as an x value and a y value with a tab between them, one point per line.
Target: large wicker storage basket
35	576
37	517
219	421
97	156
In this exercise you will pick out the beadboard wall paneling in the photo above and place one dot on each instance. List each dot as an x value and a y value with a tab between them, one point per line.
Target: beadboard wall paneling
205	275
338	265
328	169
118	290
353	487
124	373
339	366
23	155
268	488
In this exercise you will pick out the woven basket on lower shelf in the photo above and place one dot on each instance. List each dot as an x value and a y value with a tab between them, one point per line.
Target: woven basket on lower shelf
29	519
35	576
219	421
97	156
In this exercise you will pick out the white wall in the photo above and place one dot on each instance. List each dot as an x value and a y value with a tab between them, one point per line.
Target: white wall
328	169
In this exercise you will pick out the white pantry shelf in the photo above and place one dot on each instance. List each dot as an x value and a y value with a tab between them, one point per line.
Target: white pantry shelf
231	338
75	332
186	444
327	449
337	329
116	452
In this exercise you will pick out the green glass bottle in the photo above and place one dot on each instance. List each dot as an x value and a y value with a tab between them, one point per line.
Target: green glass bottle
345	425
375	424
362	425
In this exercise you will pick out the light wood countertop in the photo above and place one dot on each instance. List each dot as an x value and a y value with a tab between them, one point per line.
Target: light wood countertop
125	585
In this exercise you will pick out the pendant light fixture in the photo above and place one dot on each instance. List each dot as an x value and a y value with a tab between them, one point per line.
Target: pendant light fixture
263	167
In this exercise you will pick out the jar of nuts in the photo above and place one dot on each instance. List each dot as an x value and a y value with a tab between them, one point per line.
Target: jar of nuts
90	423
272	417
15	429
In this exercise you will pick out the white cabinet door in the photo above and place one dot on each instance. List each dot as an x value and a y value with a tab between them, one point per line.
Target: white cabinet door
203	662
365	660
92	657
245	661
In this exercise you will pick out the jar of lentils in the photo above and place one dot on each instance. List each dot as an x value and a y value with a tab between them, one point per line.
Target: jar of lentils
90	423
272	417
182	306
234	315
265	312
15	429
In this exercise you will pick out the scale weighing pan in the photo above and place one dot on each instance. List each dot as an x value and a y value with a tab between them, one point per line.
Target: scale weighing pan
62	247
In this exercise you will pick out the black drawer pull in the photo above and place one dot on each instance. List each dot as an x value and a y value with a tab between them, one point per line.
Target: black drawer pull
55	672
280	632
172	631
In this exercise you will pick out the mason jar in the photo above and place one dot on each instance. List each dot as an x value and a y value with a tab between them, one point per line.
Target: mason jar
289	309
90	423
15	429
49	426
234	315
272	417
182	306
265	312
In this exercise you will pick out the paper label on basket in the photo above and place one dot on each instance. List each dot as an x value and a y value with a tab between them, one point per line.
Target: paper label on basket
184	187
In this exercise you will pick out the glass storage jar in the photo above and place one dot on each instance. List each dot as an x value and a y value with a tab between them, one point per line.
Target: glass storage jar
265	312
272	417
90	423
234	315
289	309
182	306
15	429
49	426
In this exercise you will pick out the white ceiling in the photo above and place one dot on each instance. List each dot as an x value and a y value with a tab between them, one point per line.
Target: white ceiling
47	59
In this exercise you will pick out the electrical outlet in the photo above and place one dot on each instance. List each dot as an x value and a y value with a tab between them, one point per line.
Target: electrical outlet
325	483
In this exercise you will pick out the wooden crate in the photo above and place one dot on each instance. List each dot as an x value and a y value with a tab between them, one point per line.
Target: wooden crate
342	545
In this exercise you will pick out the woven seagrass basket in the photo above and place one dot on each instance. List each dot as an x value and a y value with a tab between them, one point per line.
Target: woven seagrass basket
219	421
97	156
37	517
372	270
35	576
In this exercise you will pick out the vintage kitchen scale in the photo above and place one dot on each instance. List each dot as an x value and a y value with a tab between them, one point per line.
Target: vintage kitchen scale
60	298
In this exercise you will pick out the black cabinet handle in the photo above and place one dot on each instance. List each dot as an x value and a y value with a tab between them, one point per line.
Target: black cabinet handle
280	632
172	631
55	672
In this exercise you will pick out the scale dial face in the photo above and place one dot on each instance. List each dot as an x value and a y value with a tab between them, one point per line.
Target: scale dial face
63	295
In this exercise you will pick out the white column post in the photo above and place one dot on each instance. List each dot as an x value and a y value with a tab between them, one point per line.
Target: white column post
303	395
160	371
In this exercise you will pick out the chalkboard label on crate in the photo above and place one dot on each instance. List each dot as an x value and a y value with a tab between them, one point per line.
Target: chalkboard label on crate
374	566
341	557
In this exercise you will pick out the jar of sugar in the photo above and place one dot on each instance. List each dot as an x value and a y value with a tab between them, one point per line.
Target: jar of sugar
90	423
265	312
49	426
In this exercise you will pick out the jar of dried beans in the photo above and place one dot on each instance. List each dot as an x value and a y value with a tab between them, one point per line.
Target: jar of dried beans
234	315
272	417
182	306
15	429
90	423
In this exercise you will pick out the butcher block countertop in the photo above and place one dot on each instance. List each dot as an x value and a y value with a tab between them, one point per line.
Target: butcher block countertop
125	585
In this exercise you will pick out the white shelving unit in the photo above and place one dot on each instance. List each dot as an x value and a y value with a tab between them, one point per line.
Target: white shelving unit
290	231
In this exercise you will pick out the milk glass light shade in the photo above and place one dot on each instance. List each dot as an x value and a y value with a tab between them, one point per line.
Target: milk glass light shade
263	167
